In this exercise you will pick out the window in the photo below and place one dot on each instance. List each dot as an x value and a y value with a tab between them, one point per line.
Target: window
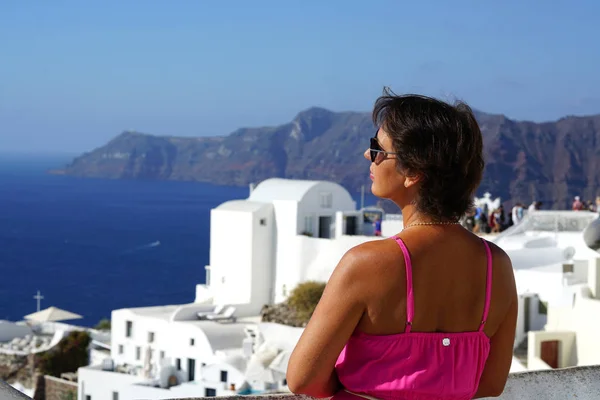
150	337
120	349
128	328
138	353
308	224
210	392
192	342
162	355
178	364
223	376
284	382
263	221
88	397
115	395
326	200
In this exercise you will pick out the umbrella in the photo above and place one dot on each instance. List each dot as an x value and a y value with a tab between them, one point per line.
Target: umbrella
52	314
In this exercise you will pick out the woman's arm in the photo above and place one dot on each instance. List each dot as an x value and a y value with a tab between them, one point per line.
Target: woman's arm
497	366
311	369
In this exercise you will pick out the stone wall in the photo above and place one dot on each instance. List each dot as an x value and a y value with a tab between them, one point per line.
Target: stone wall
7	392
59	389
15	367
581	383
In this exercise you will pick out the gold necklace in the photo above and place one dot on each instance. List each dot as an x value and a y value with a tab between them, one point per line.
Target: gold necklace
430	223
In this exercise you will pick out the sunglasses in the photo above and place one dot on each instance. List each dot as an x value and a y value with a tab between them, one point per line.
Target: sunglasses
376	152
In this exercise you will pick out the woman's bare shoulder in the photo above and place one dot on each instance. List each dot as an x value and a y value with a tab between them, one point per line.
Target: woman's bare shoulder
504	287
374	260
501	263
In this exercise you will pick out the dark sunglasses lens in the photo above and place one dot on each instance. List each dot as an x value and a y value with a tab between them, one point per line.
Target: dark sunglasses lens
373	149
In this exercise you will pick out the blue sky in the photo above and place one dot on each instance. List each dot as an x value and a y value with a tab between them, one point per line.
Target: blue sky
75	74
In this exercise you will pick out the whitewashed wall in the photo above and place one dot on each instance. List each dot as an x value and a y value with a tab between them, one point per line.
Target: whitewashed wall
285	274
172	338
231	255
100	384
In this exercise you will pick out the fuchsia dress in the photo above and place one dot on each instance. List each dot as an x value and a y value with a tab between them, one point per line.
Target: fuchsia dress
415	365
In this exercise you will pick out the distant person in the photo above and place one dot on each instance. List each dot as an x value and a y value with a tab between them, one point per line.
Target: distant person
502	217
484	220
478	217
377	226
517	213
590	206
535	206
578	204
431	312
598	204
469	221
496	221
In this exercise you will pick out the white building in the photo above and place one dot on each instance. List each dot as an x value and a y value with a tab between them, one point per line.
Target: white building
549	256
571	334
168	352
286	232
261	248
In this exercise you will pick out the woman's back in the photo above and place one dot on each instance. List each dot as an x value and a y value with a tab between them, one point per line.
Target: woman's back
447	356
449	279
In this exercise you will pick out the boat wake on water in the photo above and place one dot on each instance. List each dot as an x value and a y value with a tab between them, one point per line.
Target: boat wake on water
143	247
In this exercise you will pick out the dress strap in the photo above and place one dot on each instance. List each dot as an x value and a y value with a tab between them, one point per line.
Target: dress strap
410	301
488	285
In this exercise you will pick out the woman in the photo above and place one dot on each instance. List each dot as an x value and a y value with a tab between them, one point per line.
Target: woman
430	313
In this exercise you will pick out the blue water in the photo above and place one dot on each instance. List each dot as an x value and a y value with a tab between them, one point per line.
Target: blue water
91	246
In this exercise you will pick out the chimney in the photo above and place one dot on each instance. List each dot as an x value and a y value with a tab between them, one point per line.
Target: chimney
252	186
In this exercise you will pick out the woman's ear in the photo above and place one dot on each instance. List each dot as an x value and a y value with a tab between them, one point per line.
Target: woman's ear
411	180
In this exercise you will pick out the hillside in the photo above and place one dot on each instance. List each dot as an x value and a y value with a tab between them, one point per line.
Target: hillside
550	161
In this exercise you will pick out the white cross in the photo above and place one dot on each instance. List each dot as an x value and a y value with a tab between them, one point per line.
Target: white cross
39	298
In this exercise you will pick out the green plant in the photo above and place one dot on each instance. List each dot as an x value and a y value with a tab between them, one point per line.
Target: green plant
103	325
305	297
70	354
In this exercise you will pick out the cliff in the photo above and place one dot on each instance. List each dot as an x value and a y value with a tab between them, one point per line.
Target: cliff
550	162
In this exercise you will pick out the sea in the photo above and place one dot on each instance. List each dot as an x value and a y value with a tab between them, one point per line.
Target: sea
90	246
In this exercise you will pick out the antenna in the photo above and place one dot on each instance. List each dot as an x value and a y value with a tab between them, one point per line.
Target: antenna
39	298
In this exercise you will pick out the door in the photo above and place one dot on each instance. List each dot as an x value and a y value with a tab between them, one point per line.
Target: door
351	225
550	352
527	313
191	369
325	227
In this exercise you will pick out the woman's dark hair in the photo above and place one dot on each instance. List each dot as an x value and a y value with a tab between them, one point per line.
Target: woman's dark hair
439	142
